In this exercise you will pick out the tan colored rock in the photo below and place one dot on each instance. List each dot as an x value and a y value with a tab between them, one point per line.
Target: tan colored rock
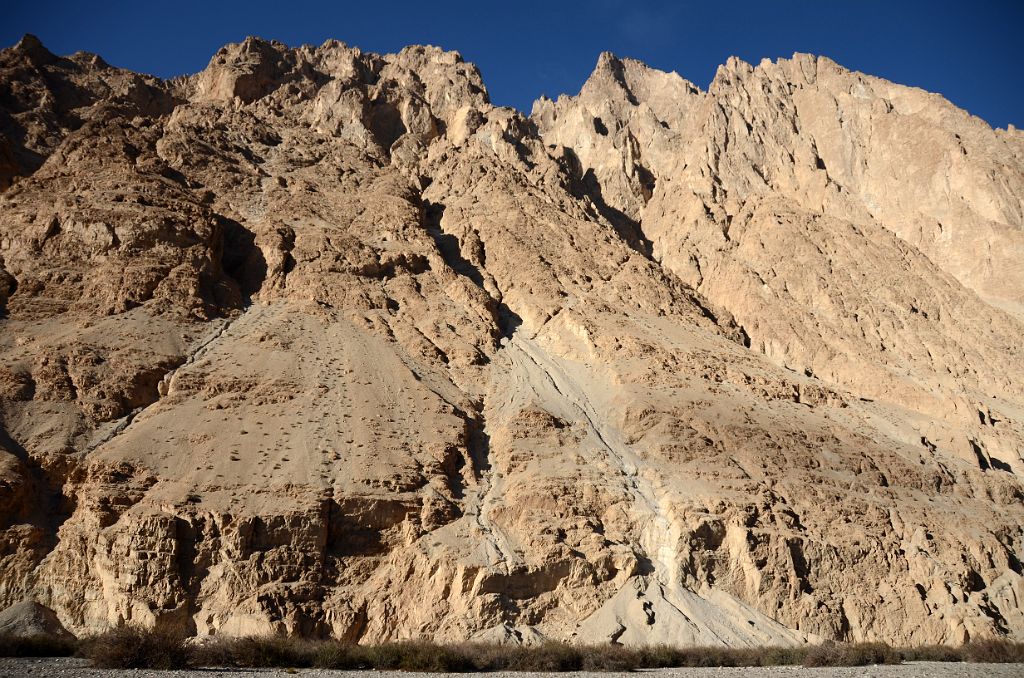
323	343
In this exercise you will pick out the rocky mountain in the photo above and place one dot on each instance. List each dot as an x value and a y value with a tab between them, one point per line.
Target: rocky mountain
321	342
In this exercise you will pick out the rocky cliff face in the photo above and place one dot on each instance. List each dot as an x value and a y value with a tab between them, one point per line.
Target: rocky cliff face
321	342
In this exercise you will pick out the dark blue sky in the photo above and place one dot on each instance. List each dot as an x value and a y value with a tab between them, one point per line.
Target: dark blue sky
972	52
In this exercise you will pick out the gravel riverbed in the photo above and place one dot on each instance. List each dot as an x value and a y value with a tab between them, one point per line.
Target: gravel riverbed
72	668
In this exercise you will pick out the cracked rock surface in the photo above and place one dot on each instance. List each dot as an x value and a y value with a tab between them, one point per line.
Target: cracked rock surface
320	342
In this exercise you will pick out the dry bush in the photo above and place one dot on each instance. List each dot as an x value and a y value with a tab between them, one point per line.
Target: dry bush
342	656
826	654
422	656
780	656
854	654
932	653
256	652
665	656
864	654
659	656
127	648
405	656
993	651
131	648
610	658
546	657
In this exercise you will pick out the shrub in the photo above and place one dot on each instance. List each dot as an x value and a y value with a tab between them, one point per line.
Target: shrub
342	657
609	658
131	648
404	656
864	654
781	656
932	653
127	648
494	657
724	656
857	654
256	652
387	656
658	657
544	657
419	656
664	656
993	651
826	654
36	646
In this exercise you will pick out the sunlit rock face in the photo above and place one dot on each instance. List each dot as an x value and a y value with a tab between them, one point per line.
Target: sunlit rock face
320	342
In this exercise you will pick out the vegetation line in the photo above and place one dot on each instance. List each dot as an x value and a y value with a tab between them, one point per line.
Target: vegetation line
129	648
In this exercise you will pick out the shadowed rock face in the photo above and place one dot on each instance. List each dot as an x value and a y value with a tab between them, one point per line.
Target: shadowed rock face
320	342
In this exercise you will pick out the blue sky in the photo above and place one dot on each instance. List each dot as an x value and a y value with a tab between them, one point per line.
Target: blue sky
972	52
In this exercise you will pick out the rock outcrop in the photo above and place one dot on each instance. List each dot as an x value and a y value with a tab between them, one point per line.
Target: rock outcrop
321	342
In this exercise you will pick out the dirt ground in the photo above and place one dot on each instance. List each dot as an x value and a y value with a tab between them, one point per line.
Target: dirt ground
73	668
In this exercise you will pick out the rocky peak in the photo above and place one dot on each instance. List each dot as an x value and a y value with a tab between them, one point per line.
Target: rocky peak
47	97
32	48
247	70
608	76
442	78
799	126
621	126
638	84
370	99
255	67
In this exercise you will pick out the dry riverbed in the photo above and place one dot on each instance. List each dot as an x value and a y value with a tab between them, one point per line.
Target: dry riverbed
73	668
